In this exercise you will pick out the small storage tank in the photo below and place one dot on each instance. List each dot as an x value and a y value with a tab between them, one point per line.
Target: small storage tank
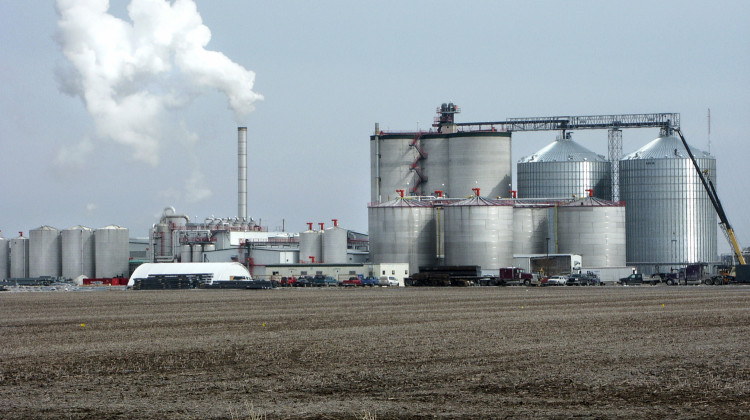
531	227
78	252
45	257
310	245
112	251
594	229
197	253
564	169
162	240
669	216
334	245
479	231
186	254
4	258
403	231
19	257
209	247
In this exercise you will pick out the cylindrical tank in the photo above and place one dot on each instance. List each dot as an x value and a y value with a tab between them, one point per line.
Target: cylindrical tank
391	159
112	251
594	229
531	227
479	231
197	253
209	247
564	169
669	217
186	254
4	258
403	231
436	168
77	252
478	160
45	252
162	240
334	245
310	245
19	257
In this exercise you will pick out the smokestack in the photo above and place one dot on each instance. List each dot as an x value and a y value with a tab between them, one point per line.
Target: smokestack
242	173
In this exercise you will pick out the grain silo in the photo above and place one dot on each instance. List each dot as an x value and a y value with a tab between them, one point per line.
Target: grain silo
112	251
390	165
335	244
78	252
479	231
531	226
45	252
4	258
594	229
403	231
564	169
19	257
669	217
310	245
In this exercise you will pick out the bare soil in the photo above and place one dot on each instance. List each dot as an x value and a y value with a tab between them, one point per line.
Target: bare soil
416	353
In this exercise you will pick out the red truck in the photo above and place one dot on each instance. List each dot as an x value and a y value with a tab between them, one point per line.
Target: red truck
511	276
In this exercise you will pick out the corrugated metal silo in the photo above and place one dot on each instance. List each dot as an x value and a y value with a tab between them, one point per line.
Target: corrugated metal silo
197	253
186	254
669	217
310	245
334	245
531	227
4	258
45	257
403	231
19	257
594	229
112	251
479	160
479	231
78	252
390	159
564	169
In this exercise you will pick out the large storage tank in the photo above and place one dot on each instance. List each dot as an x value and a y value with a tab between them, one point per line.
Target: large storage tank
391	157
19	257
669	217
78	252
564	169
45	257
594	229
4	258
531	227
112	251
310	246
479	231
403	231
334	245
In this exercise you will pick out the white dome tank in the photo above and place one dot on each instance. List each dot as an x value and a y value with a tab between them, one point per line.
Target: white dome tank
45	252
112	251
77	252
334	245
310	245
19	257
479	231
595	230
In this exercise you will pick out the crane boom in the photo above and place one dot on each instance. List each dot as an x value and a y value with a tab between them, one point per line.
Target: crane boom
711	191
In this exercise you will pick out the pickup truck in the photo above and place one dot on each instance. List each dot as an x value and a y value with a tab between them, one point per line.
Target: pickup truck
631	279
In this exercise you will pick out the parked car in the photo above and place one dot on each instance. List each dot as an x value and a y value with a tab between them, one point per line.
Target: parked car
388	281
352	282
557	281
303	281
370	281
631	279
573	280
324	281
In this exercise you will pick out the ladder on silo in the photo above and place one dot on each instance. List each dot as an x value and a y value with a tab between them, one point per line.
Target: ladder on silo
421	155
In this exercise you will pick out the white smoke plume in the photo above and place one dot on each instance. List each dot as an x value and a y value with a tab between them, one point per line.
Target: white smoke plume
128	74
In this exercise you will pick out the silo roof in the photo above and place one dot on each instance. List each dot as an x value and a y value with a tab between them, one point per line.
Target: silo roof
45	227
669	147
404	202
592	202
481	201
563	150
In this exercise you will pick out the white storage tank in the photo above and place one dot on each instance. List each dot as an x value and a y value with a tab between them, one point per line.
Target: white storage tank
594	229
391	158
531	227
45	257
335	245
186	254
78	252
4	258
112	251
310	245
197	253
479	231
19	257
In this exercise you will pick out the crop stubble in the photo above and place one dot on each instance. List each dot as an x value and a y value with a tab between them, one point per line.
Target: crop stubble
394	353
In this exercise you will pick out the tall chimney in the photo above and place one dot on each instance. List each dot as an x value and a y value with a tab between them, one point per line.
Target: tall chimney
242	173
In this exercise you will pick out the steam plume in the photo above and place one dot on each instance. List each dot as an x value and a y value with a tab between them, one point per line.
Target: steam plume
129	73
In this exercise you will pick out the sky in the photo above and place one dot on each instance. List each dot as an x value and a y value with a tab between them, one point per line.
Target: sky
118	141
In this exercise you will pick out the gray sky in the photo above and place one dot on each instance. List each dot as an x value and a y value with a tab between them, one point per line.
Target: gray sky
328	70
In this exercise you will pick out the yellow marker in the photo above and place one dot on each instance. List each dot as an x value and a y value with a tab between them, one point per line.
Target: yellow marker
264	324
521	307
83	325
662	305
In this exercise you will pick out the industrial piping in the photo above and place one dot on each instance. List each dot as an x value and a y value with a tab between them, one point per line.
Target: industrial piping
242	173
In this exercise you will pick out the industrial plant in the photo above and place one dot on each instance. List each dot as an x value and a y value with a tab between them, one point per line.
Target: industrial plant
439	198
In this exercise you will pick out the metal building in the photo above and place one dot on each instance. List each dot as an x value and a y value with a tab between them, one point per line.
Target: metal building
669	217
111	251
45	252
4	258
78	252
479	231
19	257
594	229
403	231
531	227
564	169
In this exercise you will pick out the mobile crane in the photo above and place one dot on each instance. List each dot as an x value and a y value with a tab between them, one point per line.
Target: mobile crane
742	270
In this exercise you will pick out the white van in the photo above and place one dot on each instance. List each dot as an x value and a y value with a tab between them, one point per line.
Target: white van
388	281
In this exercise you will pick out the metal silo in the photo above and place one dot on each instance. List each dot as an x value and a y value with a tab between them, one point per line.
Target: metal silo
197	253
564	169
112	251
531	227
45	252
310	245
78	252
403	231
478	160
4	258
669	217
186	254
19	257
594	229
479	231
391	157
334	245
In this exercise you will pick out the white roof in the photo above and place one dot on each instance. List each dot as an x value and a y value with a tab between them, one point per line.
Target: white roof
222	271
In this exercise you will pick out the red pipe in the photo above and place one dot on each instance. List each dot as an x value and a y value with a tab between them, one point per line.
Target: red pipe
401	192
591	192
20	234
476	190
513	193
321	226
335	222
309	225
439	193
312	257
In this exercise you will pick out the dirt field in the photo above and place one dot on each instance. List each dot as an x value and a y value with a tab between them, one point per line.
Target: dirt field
604	352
